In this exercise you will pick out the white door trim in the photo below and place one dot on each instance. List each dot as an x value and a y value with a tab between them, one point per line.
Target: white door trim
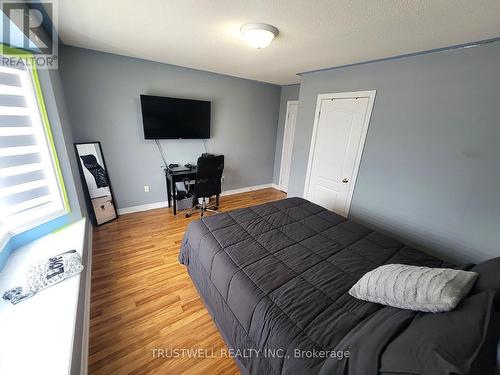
288	103
370	94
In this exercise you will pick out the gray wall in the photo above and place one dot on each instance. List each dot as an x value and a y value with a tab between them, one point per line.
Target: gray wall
53	92
102	93
430	172
289	92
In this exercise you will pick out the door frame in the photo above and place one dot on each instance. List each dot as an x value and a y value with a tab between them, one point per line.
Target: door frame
370	94
280	177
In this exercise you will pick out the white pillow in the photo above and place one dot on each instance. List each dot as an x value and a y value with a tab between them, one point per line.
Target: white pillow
414	288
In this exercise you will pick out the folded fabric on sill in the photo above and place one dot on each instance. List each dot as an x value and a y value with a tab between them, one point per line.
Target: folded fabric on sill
44	273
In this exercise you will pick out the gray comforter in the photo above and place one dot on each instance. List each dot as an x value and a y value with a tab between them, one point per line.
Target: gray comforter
275	279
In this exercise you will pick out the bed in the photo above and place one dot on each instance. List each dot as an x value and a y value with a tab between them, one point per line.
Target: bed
275	278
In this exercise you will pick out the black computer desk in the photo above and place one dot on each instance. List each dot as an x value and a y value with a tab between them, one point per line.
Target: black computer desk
172	176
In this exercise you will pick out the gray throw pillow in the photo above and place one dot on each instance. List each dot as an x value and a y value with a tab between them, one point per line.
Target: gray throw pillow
453	342
414	288
489	275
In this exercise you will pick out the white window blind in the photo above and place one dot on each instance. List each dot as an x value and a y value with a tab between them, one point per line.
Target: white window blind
31	190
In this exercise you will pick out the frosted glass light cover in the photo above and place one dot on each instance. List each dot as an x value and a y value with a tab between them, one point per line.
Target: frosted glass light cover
258	35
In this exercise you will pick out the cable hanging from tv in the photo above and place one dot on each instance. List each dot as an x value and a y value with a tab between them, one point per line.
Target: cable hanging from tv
161	153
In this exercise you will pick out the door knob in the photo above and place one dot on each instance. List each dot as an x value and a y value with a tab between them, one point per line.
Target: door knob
345	180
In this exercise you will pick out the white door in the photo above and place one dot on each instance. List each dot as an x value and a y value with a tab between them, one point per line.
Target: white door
338	138
286	153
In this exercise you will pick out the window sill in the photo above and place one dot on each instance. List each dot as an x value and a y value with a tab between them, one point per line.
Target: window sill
4	238
35	218
37	334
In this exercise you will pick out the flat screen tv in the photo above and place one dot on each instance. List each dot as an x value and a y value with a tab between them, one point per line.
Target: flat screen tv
174	118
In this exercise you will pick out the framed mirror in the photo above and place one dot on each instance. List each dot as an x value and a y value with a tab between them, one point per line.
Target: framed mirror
95	181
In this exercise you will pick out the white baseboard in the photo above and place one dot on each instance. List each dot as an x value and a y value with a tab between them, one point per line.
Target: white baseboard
152	206
86	309
142	207
246	189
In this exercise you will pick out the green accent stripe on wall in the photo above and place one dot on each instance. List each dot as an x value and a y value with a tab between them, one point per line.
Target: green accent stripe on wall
48	133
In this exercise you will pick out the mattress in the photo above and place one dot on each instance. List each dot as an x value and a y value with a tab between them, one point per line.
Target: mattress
275	278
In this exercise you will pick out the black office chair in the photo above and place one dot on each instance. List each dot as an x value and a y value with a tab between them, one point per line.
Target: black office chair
208	182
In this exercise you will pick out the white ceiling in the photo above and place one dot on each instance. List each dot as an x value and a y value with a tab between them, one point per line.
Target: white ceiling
314	34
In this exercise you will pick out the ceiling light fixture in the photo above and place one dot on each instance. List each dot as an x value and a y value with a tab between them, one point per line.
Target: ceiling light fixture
258	35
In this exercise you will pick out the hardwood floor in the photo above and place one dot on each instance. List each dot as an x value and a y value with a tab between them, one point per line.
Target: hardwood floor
143	300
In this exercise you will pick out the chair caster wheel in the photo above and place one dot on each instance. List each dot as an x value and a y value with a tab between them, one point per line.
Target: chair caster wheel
187	215
216	208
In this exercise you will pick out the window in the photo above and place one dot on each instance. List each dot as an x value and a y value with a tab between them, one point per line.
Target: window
31	187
